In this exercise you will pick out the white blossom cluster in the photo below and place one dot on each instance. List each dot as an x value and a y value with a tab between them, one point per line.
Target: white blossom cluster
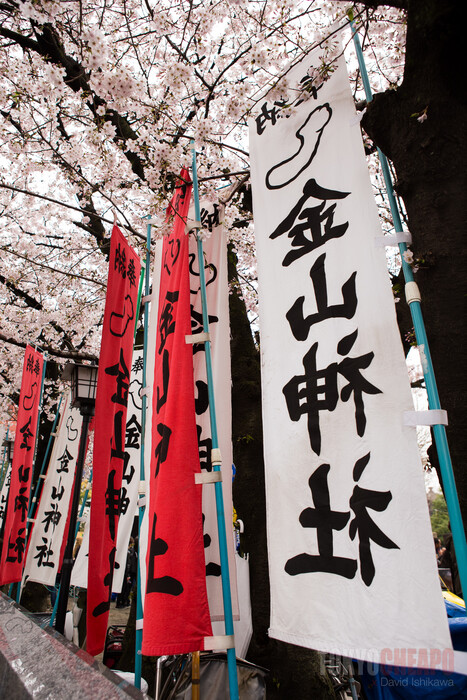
105	124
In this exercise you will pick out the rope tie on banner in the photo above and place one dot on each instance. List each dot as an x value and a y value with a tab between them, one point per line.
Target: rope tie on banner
434	416
148	299
216	457
197	338
142	494
357	118
192	226
393	239
220	642
208	477
412	293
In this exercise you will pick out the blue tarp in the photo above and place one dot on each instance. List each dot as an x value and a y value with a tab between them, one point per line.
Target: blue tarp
398	683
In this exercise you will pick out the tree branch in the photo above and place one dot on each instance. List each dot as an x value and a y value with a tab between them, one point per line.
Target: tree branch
65	354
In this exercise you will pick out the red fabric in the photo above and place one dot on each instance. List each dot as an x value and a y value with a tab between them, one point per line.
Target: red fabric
176	611
109	433
14	536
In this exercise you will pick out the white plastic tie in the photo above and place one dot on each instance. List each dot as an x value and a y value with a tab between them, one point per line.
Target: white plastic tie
412	292
142	488
207	477
145	391
224	641
142	501
153	222
435	416
393	239
197	338
139	624
190	225
357	118
42	476
31	520
216	457
148	298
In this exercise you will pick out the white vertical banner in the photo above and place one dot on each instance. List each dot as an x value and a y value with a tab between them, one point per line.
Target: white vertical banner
129	491
150	361
217	293
43	557
131	469
351	556
4	493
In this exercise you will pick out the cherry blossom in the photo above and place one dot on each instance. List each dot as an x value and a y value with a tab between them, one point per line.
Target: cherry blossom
99	105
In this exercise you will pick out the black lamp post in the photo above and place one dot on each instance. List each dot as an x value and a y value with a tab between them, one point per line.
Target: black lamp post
83	392
8	445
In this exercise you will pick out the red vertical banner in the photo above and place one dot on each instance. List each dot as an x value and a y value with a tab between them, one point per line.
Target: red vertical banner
109	434
14	536
176	611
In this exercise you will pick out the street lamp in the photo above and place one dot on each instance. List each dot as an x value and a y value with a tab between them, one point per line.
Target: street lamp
7	456
9	443
83	380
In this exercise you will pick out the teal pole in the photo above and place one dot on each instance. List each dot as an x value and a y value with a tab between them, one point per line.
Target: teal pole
226	594
141	506
439	431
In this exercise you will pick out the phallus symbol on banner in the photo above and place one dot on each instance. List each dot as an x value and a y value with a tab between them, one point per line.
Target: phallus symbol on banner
134	393
29	400
116	319
72	433
292	167
210	272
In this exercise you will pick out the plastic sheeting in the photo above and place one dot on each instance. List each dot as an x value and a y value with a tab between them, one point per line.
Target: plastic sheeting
395	683
214	680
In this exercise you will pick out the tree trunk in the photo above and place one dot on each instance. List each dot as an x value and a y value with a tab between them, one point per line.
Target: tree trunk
430	161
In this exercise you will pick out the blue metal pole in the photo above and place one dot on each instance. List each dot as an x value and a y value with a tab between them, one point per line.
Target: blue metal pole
141	508
226	594
439	431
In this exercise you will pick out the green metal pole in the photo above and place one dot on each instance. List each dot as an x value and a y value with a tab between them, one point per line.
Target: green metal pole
226	594
439	431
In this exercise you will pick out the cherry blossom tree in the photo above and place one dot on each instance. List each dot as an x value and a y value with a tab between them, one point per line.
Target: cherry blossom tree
99	104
